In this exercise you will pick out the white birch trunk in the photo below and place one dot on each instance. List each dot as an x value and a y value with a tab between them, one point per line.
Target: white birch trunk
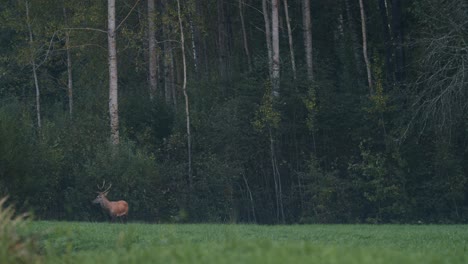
113	85
364	45
33	65
290	39
244	35
184	88
194	46
266	18
275	77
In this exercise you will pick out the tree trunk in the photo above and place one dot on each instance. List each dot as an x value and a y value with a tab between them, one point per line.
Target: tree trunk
222	53
69	67
266	18
398	41
113	86
354	39
244	34
275	77
167	71
276	180
290	39
364	46
184	89
307	31
387	39
34	69
153	61
252	203
194	45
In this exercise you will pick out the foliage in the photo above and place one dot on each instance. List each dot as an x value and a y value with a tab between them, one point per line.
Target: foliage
380	186
14	246
338	153
267	115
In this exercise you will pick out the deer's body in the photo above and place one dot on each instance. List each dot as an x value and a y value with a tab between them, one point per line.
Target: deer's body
116	209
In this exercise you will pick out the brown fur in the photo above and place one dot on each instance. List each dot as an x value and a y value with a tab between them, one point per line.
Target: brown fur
114	208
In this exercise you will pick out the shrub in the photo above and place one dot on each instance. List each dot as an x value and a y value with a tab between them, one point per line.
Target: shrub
14	247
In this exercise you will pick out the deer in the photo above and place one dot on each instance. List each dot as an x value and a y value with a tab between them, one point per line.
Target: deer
116	209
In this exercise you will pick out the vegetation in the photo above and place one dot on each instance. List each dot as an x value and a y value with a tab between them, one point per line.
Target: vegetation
14	246
74	242
356	114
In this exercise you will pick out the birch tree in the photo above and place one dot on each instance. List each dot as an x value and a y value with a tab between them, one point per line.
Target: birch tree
266	18
113	85
275	77
34	67
290	39
364	45
244	35
184	88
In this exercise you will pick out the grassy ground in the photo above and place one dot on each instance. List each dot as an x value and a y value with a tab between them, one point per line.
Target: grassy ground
71	242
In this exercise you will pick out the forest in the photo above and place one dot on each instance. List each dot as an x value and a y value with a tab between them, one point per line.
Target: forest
236	111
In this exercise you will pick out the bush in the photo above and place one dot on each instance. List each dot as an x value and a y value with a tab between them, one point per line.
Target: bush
15	248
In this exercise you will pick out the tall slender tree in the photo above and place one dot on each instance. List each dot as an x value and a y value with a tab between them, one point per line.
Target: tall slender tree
69	65
32	59
364	45
184	88
152	51
290	38
222	45
113	78
244	34
387	39
266	18
398	40
307	32
275	77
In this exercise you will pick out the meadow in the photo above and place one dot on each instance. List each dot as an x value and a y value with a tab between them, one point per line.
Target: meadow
81	242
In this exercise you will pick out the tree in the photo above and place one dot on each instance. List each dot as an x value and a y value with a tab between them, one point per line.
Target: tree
244	35
222	45
34	66
153	69
113	80
69	66
398	40
266	19
364	46
290	39
307	32
275	76
386	32
184	89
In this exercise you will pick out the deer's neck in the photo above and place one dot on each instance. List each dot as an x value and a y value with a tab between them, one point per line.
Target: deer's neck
105	203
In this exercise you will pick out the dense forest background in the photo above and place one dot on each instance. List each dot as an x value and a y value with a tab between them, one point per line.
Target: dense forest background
343	111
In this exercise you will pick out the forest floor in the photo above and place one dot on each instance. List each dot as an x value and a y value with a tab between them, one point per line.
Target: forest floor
84	242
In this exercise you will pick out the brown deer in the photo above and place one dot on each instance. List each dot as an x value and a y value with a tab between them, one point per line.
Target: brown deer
116	209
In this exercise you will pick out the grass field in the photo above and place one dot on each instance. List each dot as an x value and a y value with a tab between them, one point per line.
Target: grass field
73	242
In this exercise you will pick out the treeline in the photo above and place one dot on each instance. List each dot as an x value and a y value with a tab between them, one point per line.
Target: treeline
236	110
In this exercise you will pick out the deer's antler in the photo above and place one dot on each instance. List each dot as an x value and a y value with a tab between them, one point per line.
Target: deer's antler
108	188
102	186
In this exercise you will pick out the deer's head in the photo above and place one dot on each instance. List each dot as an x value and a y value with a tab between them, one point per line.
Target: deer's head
102	193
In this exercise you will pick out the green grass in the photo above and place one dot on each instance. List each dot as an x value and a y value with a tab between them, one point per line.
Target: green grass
72	242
